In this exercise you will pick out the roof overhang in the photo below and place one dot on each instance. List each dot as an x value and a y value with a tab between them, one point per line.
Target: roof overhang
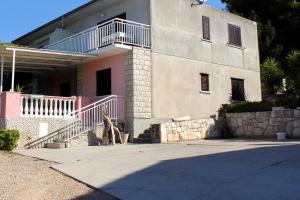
39	60
79	13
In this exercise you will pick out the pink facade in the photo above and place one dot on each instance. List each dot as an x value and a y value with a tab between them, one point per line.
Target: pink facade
116	63
10	104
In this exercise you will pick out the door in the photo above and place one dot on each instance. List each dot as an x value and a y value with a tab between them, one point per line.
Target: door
65	89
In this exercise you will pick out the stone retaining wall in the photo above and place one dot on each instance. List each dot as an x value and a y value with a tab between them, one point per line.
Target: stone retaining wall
190	130
265	124
29	127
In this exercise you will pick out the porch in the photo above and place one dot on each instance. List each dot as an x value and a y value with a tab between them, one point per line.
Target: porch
35	100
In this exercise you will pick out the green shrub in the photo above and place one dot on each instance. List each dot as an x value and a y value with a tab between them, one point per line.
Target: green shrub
8	139
245	107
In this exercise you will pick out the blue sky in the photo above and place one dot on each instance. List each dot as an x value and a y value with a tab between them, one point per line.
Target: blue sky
20	17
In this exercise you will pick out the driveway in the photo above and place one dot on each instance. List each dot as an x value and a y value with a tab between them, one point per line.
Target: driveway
208	169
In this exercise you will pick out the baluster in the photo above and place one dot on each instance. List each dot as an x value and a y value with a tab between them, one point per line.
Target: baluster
22	106
65	108
31	107
69	106
26	106
55	113
42	107
51	108
60	108
36	107
46	108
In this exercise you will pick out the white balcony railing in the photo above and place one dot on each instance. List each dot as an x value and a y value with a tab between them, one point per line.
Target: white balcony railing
111	32
47	106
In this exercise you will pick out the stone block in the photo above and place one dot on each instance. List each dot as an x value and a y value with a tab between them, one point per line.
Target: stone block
173	138
296	133
257	132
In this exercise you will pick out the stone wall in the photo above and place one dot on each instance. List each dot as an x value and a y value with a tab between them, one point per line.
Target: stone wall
190	130
265	124
137	86
29	127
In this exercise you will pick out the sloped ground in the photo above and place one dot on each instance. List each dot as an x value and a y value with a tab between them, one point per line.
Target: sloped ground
31	179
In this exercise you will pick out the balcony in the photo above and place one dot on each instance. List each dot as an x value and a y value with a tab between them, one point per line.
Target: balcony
116	31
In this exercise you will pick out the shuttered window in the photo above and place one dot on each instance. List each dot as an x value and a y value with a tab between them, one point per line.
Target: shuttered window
104	82
238	91
234	34
206	28
204	82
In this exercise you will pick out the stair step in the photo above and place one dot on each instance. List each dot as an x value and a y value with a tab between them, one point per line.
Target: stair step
142	140
56	145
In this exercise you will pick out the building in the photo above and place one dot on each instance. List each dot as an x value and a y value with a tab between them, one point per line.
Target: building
148	61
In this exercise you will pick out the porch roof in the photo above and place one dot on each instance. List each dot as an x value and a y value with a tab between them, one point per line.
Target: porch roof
40	60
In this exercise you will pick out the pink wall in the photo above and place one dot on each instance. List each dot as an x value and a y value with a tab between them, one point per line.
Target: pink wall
116	63
10	104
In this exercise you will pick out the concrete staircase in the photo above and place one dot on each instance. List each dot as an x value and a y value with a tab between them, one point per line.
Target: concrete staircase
150	135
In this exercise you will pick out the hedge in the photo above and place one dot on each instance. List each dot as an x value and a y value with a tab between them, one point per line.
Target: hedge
258	106
8	139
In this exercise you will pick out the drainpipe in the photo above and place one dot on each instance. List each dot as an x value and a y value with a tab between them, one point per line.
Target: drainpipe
2	70
13	72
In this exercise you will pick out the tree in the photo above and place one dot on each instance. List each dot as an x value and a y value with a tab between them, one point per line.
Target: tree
293	71
278	23
271	76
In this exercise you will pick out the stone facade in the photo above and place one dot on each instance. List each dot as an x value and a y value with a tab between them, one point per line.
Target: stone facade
29	127
265	124
138	86
190	130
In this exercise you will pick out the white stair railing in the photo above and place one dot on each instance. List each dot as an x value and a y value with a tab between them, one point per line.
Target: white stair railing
84	119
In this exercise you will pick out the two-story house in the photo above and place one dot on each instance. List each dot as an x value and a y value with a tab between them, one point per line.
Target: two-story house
145	61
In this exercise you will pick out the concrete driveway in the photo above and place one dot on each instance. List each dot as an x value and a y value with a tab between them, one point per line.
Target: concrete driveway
212	169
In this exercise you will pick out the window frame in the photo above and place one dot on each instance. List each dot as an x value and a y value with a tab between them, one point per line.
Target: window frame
240	97
207	89
204	26
235	35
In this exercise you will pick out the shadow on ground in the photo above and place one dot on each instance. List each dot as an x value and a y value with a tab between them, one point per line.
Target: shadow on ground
262	173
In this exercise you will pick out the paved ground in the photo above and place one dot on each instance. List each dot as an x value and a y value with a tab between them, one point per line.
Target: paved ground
215	169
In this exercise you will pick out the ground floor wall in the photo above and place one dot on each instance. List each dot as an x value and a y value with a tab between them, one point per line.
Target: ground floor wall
32	128
176	86
89	76
265	124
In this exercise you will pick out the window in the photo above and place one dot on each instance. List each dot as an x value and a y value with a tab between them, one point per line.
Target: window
234	34
205	28
204	82
238	91
104	82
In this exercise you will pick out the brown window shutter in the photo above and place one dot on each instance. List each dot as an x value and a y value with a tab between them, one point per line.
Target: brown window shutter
234	35
206	27
204	82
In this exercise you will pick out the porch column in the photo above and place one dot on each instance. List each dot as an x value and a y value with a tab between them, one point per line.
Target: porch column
13	72
2	70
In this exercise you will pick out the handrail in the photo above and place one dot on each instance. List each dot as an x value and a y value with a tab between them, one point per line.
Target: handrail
84	119
93	104
93	36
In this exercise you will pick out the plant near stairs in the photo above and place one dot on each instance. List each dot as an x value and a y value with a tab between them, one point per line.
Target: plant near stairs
110	132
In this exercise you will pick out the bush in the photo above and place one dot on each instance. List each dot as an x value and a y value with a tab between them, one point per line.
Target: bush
8	139
245	107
